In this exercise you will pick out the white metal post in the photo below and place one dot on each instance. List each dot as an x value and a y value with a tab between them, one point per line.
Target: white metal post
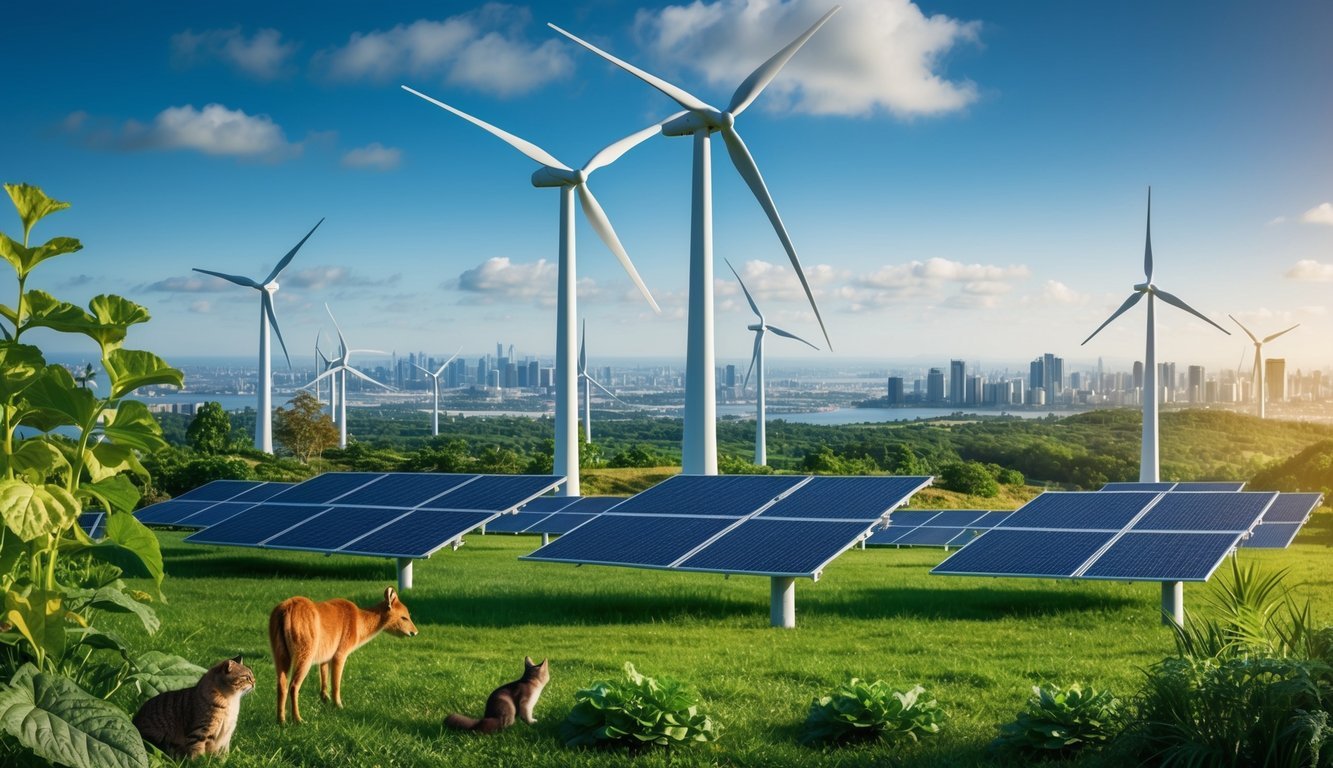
782	602
566	459
264	407
1173	603
699	438
404	573
1148	456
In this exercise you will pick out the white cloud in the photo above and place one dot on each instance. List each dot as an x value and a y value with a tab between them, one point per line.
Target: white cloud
374	156
874	55
500	280
263	55
483	49
775	282
213	130
1309	270
957	285
188	284
1056	292
316	278
1320	214
201	307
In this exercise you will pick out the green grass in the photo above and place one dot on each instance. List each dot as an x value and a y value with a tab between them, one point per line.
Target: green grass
976	644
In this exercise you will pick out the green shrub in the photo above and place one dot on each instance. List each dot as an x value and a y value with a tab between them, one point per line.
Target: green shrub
1059	722
637	711
969	477
864	710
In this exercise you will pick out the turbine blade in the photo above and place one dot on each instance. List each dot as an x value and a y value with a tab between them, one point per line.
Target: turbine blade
740	157
790	335
324	375
583	350
238	279
364	377
1279	333
1176	302
1147	244
602	226
754	357
445	364
678	95
613	151
369	351
1131	301
1254	375
267	301
761	77
746	291
282	264
423	370
608	392
1247	330
342	343
529	150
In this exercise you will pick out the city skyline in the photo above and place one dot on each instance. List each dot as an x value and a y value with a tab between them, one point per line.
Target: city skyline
981	194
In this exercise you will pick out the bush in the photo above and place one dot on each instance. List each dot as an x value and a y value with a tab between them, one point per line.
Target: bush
1009	477
968	477
637	711
865	710
1060	722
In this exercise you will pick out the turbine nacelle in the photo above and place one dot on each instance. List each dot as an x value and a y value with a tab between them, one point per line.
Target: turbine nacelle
547	176
1144	287
690	122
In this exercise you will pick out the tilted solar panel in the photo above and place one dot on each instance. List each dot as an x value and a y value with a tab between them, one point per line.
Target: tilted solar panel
1204	511
928	536
594	505
212	514
549	504
1272	536
517	523
219	490
495	493
1292	507
93	524
560	523
1005	552
911	518
255	525
325	488
1137	486
731	496
1209	486
846	498
1080	511
170	512
404	489
639	540
955	518
417	534
1155	556
334	528
765	547
262	492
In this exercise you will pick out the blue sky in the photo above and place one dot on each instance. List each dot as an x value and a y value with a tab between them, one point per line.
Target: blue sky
961	179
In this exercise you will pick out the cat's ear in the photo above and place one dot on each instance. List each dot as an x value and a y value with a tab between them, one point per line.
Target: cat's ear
237	659
390	596
528	662
229	666
543	663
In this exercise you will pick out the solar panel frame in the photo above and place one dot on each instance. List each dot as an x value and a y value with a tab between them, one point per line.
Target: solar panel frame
929	536
845	498
593	505
560	523
1080	511
212	515
1209	486
334	528
1077	548
1272	536
269	519
641	541
515	523
955	518
171	511
93	524
514	490
262	492
325	488
740	495
405	490
1292	507
748	549
1205	511
1156	555
548	504
219	490
430	525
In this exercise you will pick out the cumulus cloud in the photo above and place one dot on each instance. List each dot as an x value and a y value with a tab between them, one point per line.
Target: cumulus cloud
768	281
1320	214
872	56
1056	292
201	306
188	284
263	55
374	156
955	284
1311	271
483	49
213	130
499	280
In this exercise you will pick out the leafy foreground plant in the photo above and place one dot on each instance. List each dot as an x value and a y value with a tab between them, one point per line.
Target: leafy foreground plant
60	668
1060	722
637	711
865	710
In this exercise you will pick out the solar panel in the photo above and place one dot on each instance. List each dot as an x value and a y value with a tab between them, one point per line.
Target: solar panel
417	534
593	505
1138	556
517	523
1272	536
324	488
170	512
495	493
262	492
955	518
1292	507
1136	486
991	519
1210	486
846	498
334	528
403	489
93	524
731	496
638	539
911	518
212	514
926	536
219	490
1201	511
1005	552
549	504
560	523
1080	511
764	547
945	528
255	525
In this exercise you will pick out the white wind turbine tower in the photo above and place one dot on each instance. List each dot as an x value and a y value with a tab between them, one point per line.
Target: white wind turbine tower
1257	378
338	369
554	173
699	441
586	383
1148	455
323	363
757	367
266	288
435	392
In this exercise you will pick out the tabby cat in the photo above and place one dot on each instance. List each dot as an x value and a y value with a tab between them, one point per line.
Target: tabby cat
199	720
509	700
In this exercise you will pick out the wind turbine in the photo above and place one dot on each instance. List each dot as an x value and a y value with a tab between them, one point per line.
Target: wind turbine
699	441
587	382
338	369
1257	378
435	390
322	363
1148	452
757	366
266	288
554	173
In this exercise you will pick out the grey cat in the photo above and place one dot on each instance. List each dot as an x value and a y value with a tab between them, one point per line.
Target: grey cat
509	701
199	720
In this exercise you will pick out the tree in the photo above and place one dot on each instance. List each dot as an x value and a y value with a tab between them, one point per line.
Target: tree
210	430
304	428
970	477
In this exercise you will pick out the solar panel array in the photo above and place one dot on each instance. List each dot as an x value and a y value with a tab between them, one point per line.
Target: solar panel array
210	503
1125	536
1283	520
948	528
768	525
93	524
555	515
398	514
1210	486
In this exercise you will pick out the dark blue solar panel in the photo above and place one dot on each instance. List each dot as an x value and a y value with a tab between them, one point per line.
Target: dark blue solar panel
1003	552
990	520
846	498
1216	487
632	540
955	518
334	528
262	492
417	534
594	505
325	487
170	512
1205	512
1292	507
1079	511
965	537
561	523
403	489
1162	556
888	536
213	514
496	493
928	537
912	518
1272	536
1135	486
777	547
253	526
218	490
92	524
713	495
548	504
515	523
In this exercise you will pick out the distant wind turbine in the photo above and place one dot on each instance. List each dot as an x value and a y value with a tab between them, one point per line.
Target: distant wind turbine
1257	378
554	173
1149	467
435	391
266	288
700	120
757	367
587	382
338	369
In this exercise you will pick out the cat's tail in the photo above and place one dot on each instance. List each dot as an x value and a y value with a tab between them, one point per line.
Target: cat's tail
465	723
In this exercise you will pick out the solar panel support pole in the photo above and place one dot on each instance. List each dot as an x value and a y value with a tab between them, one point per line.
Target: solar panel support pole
1173	603
546	539
782	602
404	574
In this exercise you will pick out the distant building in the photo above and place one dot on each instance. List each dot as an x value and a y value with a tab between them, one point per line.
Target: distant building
1138	374
533	372
974	392
935	386
1194	385
957	382
1275	379
729	378
896	396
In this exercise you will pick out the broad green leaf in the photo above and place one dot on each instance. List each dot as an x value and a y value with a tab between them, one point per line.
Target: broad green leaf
62	723
114	494
23	258
32	204
20	367
130	369
98	640
42	310
37	460
36	510
39	617
156	672
109	309
131	424
108	459
54	400
114	599
131	547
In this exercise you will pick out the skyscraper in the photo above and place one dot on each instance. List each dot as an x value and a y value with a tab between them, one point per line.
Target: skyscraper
935	386
1194	386
895	393
1275	379
957	382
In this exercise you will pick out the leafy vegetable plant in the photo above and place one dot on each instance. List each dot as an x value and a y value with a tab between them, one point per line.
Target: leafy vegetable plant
637	711
1061	721
863	710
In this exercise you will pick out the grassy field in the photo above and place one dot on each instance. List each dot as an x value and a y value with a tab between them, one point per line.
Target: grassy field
976	644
